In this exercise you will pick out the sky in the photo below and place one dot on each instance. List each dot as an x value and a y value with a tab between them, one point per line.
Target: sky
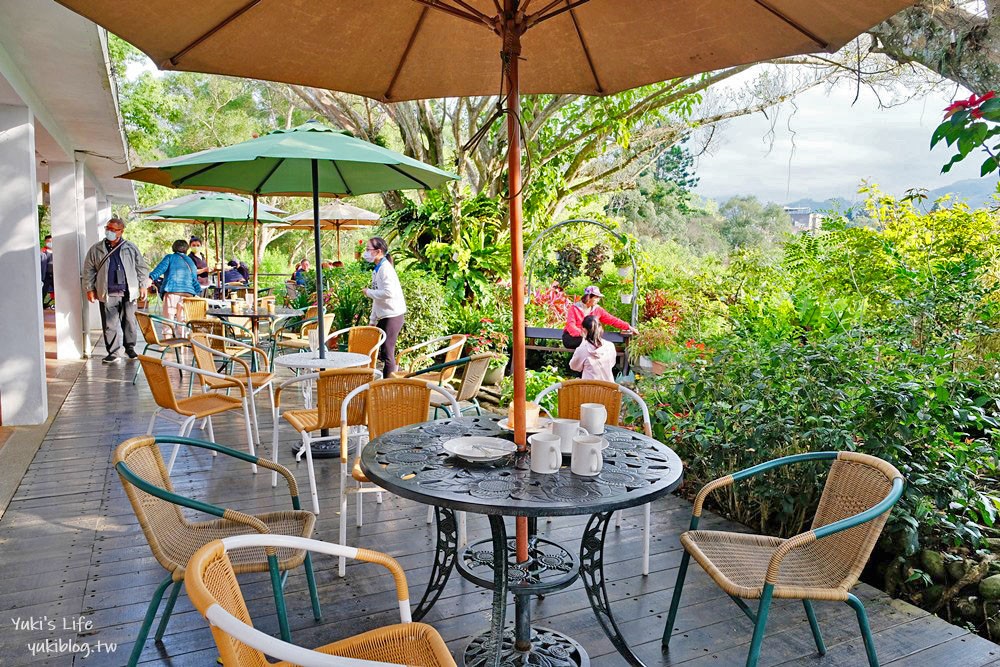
836	145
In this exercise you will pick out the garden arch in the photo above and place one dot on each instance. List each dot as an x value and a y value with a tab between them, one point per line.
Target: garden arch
528	256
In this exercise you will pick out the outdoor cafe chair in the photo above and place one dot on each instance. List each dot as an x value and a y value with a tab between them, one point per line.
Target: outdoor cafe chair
152	341
186	411
473	371
294	334
223	329
331	388
388	404
195	308
435	351
174	538
253	382
571	394
215	592
823	563
362	340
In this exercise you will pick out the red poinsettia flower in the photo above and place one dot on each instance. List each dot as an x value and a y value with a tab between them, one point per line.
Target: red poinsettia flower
972	104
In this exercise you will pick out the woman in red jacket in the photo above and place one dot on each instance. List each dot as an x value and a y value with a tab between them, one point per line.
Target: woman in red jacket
573	332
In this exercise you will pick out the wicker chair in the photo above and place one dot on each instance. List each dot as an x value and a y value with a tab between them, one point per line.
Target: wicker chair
823	563
173	538
475	368
331	388
195	308
206	352
294	334
389	404
152	341
574	393
191	409
435	351
215	593
362	340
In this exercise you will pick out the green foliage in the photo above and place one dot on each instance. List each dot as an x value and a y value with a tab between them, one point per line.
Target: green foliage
968	125
535	382
426	307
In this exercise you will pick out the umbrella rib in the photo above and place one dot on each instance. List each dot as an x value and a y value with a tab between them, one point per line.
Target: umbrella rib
586	51
269	174
540	15
822	43
226	21
454	11
412	178
199	172
406	52
342	179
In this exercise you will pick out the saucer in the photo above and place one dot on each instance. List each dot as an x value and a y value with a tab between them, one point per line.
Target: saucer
479	449
540	425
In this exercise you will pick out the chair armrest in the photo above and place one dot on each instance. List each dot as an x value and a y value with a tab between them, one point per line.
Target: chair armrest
166	320
439	367
227	323
699	500
291	381
837	526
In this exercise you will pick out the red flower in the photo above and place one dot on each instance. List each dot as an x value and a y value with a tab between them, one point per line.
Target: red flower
973	104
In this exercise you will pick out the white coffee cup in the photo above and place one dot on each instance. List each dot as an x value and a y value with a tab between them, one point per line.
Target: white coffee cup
546	456
588	458
567	429
593	417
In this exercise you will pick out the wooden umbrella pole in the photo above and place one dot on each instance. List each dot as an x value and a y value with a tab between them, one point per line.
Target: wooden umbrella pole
512	49
254	246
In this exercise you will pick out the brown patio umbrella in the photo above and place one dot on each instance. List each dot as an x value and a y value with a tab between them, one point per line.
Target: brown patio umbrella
335	216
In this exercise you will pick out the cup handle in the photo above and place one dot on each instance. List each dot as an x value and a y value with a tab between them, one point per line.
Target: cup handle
595	457
555	456
582	431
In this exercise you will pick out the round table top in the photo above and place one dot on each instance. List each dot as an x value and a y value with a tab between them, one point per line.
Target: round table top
333	359
254	314
411	462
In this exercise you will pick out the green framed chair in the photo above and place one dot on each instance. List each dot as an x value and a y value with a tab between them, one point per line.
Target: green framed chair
474	370
823	563
173	538
152	341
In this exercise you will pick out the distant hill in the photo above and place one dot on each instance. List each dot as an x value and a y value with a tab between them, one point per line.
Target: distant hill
833	204
976	192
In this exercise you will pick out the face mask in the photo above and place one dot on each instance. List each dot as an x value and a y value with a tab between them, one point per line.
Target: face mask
367	256
111	236
195	248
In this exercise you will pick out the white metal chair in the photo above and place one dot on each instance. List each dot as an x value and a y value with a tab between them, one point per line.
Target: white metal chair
441	350
574	393
388	404
186	411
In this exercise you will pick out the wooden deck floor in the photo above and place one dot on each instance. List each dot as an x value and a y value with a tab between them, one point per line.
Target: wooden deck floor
71	549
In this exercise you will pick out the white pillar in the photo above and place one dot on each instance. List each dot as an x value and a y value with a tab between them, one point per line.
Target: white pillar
93	230
66	206
23	398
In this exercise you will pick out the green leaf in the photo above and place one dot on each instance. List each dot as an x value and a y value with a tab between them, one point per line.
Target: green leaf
989	165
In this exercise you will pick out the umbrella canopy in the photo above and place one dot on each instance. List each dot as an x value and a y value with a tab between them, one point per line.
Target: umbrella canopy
408	49
335	216
195	196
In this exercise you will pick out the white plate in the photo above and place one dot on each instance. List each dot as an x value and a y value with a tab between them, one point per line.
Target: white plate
479	449
540	425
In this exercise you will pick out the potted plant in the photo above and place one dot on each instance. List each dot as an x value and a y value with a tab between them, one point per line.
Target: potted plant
359	248
623	257
494	340
649	348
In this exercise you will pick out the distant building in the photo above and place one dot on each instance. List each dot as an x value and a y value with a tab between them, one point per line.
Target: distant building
804	219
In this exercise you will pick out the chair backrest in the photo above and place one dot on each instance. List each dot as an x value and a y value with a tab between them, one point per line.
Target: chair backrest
331	388
291	291
210	326
195	308
857	482
396	402
211	580
439	351
158	518
574	393
159	382
472	378
203	358
366	340
147	328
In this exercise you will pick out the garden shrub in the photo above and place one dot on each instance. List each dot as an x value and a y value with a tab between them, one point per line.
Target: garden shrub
426	308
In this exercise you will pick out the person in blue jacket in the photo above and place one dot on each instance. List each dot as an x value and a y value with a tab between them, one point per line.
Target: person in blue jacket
180	279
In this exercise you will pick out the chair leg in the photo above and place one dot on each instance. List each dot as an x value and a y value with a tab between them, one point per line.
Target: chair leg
152	422
463	537
676	599
209	431
184	431
758	629
147	622
430	514
312	473
814	626
274	451
342	521
252	402
167	611
360	495
645	539
866	631
246	422
313	593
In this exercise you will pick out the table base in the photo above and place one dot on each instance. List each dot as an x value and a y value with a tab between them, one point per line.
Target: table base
327	449
550	566
548	648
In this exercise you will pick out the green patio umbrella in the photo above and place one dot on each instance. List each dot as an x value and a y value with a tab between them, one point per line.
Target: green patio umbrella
311	159
226	209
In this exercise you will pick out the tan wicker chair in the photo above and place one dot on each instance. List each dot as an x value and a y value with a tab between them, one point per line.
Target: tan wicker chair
574	393
294	335
389	404
331	388
215	593
195	308
206	356
435	351
361	340
173	538
152	341
191	409
475	368
823	563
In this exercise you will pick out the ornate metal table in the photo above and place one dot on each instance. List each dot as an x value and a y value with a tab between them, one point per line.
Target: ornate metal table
411	463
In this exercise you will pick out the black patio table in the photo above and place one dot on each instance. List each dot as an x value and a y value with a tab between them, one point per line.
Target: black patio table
412	463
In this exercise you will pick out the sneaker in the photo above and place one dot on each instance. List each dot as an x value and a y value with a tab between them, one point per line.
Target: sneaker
110	359
131	353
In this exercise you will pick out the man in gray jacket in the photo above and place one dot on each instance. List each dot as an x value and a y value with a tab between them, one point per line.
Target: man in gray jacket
115	274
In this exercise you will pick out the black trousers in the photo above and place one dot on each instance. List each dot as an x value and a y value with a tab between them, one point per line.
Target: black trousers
571	342
387	353
118	322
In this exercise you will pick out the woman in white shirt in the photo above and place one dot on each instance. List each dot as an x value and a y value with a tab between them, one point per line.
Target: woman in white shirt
595	357
388	305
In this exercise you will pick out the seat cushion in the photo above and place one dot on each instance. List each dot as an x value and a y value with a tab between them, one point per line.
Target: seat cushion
738	563
356	471
402	644
303	421
206	405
